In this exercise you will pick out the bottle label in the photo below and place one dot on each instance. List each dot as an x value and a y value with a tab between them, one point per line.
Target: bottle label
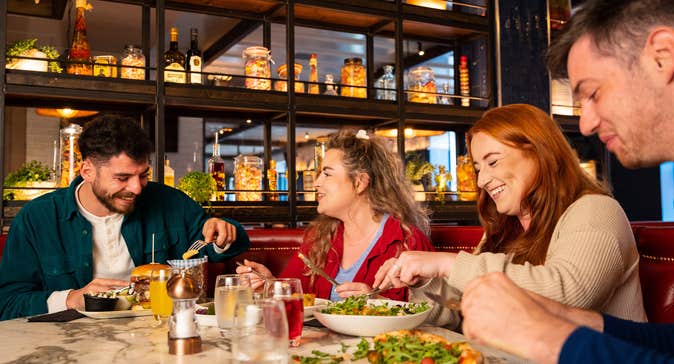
195	69
174	73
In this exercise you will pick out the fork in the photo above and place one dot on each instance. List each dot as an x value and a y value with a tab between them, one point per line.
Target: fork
264	277
377	291
194	248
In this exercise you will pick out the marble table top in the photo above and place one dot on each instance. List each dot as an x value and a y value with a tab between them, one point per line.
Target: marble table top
142	340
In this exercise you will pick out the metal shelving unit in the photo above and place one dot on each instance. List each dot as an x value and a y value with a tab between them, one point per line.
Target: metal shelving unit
390	19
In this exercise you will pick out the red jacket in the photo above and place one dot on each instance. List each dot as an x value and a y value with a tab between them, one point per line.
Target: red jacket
388	246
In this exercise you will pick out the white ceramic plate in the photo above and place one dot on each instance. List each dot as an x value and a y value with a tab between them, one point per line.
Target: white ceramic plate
319	304
116	314
362	325
203	319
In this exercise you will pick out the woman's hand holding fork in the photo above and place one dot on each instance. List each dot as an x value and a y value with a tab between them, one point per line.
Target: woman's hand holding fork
249	267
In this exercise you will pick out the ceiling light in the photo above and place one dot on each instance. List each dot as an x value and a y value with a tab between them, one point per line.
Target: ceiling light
421	51
65	113
306	135
248	121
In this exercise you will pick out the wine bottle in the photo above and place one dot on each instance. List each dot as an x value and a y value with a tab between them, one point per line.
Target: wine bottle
216	168
193	61
174	61
79	56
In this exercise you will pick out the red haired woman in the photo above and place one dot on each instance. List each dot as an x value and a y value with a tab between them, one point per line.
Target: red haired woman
548	226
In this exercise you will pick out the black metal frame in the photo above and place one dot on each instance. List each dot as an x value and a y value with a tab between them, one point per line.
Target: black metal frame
289	104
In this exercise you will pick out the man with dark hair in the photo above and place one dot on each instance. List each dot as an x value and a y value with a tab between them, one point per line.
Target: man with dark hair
90	236
619	58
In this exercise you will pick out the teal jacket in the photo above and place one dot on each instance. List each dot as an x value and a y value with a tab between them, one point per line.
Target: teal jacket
49	247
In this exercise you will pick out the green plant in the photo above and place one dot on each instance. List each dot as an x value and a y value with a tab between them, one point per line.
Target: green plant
200	186
415	169
27	47
33	171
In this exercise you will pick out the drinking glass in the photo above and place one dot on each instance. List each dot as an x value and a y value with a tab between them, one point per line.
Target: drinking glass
289	290
229	290
160	302
260	332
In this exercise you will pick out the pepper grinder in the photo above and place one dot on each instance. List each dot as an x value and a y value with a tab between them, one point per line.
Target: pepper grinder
183	334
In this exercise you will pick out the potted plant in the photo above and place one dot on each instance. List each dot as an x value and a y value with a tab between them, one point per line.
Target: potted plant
27	48
200	186
31	174
415	170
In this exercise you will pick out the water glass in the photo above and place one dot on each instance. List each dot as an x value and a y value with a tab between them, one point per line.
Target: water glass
229	290
289	290
260	333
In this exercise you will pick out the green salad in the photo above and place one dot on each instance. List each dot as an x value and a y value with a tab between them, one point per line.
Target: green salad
357	305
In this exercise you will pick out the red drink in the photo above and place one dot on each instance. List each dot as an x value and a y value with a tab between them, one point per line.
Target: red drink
295	314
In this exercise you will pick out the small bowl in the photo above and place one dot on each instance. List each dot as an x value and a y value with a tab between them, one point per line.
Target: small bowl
93	303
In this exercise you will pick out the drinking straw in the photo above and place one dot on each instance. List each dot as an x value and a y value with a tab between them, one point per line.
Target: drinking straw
152	248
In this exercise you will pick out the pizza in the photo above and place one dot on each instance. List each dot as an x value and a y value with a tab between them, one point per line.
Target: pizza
398	347
419	347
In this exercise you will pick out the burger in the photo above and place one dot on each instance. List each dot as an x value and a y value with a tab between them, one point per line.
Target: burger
140	282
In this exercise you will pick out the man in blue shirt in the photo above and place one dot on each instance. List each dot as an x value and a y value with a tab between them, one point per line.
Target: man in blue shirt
90	236
619	58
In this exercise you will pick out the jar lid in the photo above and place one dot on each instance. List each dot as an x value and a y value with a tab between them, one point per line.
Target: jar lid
256	51
353	60
422	70
131	46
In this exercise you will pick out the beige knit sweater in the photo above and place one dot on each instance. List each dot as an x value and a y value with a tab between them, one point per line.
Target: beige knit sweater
592	262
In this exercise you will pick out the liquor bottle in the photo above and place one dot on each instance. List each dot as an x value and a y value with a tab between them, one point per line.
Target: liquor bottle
313	74
464	81
193	62
174	61
169	173
330	88
216	168
272	179
386	85
79	56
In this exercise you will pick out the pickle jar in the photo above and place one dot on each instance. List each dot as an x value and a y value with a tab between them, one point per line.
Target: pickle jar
282	85
354	74
257	69
422	86
248	170
71	158
132	63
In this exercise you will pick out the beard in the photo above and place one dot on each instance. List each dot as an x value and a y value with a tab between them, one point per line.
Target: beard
108	200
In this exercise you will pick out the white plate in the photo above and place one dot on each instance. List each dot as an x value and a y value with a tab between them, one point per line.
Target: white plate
116	314
362	325
319	304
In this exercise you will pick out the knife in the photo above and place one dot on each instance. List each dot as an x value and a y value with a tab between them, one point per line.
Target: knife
317	270
451	303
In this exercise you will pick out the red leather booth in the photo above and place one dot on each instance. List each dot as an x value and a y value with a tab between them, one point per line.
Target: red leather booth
655	241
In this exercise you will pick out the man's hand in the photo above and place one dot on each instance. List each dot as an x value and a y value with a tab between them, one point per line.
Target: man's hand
411	266
76	297
220	231
499	313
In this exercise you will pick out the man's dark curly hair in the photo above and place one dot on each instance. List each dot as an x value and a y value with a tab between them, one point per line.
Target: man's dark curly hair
109	135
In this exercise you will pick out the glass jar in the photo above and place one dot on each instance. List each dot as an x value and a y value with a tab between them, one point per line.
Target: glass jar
105	66
257	69
248	176
466	179
386	85
133	63
71	158
354	74
283	75
422	86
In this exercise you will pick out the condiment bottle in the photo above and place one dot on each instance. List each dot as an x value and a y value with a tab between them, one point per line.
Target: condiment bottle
79	56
